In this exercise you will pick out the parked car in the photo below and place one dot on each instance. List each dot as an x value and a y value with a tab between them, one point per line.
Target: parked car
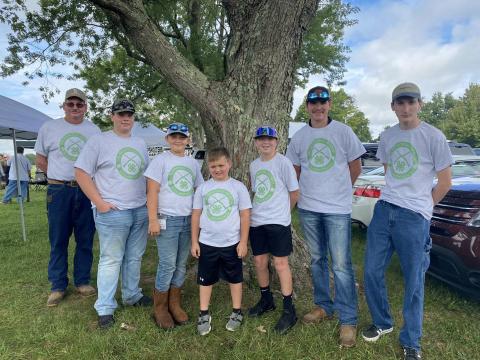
455	232
460	148
369	159
368	187
476	151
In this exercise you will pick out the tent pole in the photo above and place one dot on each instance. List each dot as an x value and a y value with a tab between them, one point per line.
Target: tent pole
19	194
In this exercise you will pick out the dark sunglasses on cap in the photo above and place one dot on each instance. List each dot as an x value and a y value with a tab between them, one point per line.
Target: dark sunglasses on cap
266	131
177	127
72	105
315	97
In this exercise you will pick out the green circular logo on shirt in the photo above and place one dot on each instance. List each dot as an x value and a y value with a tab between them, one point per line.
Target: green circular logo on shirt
218	203
71	144
403	160
180	180
264	186
321	155
130	163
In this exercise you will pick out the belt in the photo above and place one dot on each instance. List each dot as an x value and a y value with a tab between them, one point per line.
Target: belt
71	183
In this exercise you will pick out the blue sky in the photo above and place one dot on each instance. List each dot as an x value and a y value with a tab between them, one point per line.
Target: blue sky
430	42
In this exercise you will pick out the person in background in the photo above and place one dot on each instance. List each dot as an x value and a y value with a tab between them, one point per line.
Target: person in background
24	175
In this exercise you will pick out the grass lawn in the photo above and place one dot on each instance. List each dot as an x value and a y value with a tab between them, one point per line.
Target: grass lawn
30	330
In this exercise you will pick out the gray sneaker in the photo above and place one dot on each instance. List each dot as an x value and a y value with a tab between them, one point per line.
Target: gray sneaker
234	322
204	324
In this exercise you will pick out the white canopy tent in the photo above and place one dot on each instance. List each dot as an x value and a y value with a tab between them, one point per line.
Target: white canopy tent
152	135
19	121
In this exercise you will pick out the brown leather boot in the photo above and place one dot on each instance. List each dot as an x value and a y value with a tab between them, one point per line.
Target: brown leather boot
317	315
175	306
160	310
348	335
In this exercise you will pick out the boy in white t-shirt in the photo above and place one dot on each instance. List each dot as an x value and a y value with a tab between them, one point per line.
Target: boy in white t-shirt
110	172
171	181
220	223
275	185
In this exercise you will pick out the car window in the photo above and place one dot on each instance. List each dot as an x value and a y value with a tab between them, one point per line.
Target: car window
470	168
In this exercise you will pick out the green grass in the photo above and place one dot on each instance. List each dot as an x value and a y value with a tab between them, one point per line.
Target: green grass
30	330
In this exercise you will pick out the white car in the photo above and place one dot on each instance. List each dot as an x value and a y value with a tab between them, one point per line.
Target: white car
368	187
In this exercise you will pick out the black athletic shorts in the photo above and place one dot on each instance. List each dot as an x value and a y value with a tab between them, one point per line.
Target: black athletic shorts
219	263
274	239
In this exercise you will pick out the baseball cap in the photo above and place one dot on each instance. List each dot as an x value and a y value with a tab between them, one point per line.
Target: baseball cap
318	94
123	105
178	128
406	89
74	92
266	130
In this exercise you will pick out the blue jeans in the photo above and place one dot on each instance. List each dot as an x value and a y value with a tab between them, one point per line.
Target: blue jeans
123	238
11	190
394	228
331	233
173	246
69	210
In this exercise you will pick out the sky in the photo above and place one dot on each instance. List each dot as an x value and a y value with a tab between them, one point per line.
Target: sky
435	44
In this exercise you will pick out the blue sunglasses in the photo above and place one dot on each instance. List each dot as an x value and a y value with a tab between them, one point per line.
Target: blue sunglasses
322	97
176	127
266	131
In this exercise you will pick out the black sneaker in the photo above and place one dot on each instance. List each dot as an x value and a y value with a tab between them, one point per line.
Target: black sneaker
144	301
373	333
105	321
286	321
411	354
261	307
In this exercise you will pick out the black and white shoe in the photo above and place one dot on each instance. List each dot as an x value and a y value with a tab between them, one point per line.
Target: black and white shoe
263	306
411	354
373	333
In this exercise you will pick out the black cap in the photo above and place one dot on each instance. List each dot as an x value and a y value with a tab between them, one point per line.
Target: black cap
123	105
318	94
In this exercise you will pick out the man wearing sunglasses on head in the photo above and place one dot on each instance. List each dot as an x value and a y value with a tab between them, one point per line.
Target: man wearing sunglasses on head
58	145
326	156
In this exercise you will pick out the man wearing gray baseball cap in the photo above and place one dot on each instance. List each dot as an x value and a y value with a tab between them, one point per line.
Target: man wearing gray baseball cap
413	153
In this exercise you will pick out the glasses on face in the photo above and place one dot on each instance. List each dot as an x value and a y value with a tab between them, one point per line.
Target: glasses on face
176	127
266	131
322	97
72	105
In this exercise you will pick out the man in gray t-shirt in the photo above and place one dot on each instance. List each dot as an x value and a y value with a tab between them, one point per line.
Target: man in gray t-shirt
58	145
326	156
413	153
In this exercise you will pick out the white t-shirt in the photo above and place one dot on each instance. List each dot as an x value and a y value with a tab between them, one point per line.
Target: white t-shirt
413	157
178	176
116	165
323	155
62	142
221	202
272	181
24	168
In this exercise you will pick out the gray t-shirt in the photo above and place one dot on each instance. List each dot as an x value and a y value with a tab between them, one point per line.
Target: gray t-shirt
413	157
271	182
323	155
116	165
62	142
178	176
24	168
221	202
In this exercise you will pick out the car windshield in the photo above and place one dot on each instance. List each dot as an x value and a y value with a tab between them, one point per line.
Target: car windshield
466	168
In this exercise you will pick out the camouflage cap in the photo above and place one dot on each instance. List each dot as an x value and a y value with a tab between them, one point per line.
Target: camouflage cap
406	89
74	92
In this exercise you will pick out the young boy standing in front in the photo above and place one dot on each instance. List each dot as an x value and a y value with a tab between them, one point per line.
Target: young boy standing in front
171	180
220	224
275	185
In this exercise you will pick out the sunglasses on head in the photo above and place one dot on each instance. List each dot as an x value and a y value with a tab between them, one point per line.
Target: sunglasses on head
266	131
176	127
322	97
72	105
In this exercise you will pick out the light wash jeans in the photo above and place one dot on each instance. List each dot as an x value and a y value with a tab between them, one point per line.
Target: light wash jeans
173	246
11	190
123	238
324	234
394	228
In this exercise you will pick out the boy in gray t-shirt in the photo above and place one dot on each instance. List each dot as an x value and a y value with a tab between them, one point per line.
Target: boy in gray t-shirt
220	223
275	185
413	153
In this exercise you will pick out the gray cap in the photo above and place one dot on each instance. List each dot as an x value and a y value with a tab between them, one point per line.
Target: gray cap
406	89
74	92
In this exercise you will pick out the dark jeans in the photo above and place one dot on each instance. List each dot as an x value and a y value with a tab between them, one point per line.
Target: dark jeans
69	210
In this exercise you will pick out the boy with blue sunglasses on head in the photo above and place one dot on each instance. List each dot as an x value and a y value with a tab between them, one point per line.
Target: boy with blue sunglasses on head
171	180
274	183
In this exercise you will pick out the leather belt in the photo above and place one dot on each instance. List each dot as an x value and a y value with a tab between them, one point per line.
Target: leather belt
71	183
